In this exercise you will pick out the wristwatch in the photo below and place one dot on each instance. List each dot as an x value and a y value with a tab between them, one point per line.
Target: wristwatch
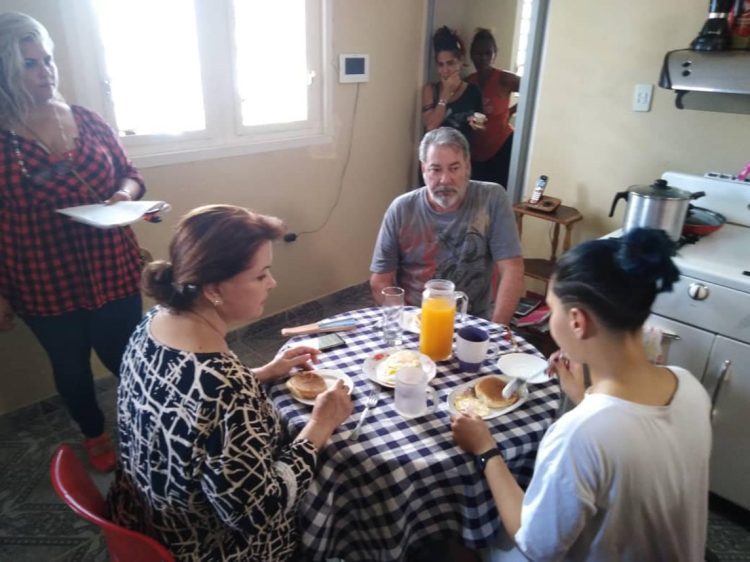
481	460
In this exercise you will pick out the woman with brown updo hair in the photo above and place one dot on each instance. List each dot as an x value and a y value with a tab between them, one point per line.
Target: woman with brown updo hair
450	102
204	465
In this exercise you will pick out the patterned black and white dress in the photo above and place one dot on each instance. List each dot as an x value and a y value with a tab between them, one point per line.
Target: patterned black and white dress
205	468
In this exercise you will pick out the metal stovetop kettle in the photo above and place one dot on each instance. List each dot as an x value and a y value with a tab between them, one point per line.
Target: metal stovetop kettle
655	206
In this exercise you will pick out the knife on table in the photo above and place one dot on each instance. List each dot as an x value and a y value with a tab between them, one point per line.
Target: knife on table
343	325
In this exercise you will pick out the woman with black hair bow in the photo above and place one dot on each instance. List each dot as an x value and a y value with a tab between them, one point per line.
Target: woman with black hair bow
624	474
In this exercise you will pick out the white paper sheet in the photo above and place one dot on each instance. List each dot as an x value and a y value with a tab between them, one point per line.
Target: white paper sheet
109	216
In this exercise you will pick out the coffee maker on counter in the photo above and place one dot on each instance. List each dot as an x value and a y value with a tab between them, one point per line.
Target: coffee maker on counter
715	34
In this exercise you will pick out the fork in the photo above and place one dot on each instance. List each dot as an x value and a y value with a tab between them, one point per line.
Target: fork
514	347
512	340
372	401
515	382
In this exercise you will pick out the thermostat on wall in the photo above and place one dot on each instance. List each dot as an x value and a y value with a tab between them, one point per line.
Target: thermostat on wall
354	68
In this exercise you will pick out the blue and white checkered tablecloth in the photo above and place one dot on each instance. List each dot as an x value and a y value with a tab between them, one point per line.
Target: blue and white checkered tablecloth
405	480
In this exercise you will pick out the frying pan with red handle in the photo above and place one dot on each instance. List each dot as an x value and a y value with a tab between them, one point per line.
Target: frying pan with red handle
702	221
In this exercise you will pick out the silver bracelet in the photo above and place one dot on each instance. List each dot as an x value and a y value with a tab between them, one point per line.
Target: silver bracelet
125	192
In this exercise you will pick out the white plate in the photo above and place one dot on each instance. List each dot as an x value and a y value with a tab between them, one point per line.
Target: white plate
411	321
330	376
524	366
523	395
373	366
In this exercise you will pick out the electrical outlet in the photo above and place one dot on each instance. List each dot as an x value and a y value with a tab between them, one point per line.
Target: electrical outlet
642	97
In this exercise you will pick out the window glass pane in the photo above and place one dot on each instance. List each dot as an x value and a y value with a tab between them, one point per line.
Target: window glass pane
523	36
272	70
151	53
526	10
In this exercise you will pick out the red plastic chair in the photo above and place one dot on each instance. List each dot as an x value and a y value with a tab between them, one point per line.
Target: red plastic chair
74	485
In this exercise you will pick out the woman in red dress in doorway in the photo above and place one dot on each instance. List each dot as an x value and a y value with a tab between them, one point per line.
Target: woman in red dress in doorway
491	146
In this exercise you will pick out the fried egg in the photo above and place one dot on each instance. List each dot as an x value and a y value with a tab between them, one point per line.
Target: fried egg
396	362
468	403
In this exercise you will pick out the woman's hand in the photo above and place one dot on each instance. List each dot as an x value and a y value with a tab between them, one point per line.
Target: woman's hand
449	86
118	196
128	190
472	434
476	124
6	315
300	356
333	406
570	375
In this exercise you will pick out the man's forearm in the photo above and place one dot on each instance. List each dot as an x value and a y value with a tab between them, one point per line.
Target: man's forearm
378	282
377	296
509	291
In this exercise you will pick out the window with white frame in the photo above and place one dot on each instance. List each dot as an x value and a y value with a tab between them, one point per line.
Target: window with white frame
191	79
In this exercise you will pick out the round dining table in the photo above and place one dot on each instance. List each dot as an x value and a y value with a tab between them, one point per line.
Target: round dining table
402	482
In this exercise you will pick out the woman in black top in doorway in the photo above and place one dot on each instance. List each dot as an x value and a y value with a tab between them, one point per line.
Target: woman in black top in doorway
450	102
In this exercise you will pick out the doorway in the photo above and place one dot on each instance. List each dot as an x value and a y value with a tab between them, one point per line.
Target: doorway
467	15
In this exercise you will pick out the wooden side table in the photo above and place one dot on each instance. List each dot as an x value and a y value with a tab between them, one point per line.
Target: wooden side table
538	268
541	269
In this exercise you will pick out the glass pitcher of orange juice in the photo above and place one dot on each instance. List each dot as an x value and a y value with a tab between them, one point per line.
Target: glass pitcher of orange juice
438	314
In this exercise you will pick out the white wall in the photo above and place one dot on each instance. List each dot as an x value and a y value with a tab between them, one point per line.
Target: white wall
586	137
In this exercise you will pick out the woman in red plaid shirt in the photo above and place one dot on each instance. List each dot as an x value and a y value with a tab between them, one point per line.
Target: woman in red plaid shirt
75	286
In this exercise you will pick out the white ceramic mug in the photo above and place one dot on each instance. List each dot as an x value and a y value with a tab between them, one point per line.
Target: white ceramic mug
473	348
412	392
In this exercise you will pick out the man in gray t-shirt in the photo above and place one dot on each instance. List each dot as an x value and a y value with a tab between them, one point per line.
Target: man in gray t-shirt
452	228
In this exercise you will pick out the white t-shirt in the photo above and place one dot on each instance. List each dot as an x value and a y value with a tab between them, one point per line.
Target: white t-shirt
615	480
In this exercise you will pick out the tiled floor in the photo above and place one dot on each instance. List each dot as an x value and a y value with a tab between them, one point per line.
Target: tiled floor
35	526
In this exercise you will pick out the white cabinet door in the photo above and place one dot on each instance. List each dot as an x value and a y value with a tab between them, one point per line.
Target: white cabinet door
684	346
728	382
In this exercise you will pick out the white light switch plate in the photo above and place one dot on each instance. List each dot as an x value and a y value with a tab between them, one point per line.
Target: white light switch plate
642	97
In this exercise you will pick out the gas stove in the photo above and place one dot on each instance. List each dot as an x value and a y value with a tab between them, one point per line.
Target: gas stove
706	323
722	257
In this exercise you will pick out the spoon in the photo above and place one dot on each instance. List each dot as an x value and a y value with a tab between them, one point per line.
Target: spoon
521	368
515	382
511	387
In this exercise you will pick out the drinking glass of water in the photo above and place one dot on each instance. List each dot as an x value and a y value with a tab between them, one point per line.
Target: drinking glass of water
412	393
393	311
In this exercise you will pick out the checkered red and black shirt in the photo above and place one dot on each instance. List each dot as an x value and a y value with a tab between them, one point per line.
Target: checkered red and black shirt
48	263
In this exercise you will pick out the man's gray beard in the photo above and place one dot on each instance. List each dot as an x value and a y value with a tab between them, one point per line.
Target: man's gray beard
445	201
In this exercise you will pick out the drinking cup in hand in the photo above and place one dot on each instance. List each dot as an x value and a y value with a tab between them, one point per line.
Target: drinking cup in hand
473	348
412	392
393	312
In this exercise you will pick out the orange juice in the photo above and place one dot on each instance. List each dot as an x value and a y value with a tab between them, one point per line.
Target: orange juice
436	333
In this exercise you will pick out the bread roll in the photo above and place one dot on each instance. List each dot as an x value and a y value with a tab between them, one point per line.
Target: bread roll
306	385
490	391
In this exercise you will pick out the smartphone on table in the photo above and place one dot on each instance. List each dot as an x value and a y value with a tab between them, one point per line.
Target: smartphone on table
327	342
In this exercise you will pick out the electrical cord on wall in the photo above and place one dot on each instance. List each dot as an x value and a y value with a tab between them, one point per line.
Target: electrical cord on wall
292	236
